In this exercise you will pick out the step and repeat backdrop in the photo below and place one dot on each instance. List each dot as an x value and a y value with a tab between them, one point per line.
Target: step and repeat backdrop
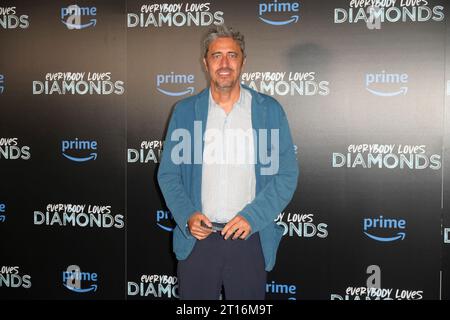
86	92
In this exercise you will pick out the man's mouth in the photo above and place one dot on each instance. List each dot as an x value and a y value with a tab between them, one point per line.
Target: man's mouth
224	73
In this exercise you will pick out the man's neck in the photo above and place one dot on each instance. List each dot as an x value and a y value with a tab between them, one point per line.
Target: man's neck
226	98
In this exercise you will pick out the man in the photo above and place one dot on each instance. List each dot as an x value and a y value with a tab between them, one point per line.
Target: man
224	186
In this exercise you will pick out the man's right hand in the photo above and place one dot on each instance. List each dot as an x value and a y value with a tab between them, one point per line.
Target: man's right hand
195	227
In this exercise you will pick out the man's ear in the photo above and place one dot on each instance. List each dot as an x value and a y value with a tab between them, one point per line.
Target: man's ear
205	64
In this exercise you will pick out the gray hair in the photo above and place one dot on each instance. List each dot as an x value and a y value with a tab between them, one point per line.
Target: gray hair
222	31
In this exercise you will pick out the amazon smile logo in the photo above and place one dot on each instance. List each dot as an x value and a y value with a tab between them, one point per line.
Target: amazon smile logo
73	277
86	147
387	84
169	84
164	220
269	12
384	229
71	17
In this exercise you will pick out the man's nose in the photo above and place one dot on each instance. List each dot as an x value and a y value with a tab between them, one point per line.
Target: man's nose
224	62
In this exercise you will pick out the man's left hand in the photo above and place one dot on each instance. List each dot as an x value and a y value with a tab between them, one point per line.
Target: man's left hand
239	226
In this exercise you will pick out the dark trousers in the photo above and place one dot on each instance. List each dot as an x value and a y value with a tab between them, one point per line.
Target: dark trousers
237	265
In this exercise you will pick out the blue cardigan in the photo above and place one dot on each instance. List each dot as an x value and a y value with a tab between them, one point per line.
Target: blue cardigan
181	184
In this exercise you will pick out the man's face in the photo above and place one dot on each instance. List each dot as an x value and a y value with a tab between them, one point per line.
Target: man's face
224	62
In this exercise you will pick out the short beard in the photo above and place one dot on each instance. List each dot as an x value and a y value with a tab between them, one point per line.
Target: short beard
226	87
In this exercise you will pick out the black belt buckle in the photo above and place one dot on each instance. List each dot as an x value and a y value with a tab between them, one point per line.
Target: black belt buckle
216	226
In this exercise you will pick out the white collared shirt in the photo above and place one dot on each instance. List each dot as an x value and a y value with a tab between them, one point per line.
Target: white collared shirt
228	170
